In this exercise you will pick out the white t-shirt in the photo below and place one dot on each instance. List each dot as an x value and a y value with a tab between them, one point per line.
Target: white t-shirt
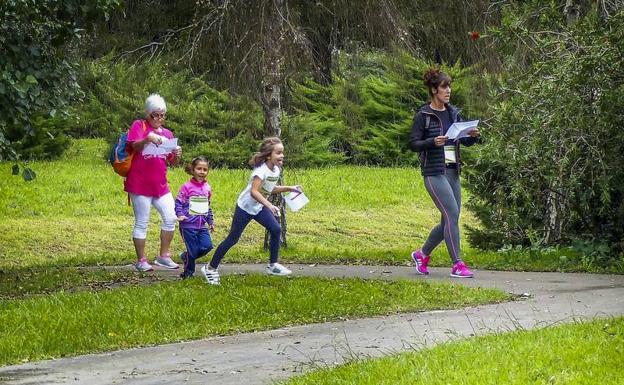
269	181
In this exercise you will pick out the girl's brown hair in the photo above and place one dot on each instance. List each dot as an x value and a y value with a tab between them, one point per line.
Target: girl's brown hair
189	167
435	78
265	150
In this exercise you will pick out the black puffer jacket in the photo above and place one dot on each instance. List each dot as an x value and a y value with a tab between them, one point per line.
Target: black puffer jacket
422	140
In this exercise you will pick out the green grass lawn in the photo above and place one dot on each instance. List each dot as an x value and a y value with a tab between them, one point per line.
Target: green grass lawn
62	323
579	354
75	213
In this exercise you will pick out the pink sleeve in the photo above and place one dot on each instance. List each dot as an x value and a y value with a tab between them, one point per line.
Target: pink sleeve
183	194
137	132
167	134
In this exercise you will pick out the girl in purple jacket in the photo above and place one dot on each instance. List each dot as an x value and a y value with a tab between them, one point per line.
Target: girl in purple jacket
192	207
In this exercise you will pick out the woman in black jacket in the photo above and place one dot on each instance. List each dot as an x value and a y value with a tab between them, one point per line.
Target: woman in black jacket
440	166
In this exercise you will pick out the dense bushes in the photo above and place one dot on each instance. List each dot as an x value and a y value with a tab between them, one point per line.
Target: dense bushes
204	119
37	70
363	117
43	139
368	110
550	171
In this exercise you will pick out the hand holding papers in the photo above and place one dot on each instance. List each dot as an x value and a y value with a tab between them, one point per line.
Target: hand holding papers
164	148
460	130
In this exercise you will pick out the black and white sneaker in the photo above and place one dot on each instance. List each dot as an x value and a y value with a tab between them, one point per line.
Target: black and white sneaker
212	276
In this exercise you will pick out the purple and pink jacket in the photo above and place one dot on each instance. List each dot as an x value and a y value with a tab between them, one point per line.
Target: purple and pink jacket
189	189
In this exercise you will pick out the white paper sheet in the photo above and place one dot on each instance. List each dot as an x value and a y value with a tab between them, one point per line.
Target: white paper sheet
295	200
461	129
165	148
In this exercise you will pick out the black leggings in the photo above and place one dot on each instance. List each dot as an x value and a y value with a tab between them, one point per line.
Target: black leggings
240	220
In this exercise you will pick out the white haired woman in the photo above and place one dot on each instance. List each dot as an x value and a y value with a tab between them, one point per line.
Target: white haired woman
146	183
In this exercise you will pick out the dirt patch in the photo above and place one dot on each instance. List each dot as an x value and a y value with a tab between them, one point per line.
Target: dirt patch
25	283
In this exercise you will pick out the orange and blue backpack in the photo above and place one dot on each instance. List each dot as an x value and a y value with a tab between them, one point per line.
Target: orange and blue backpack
122	153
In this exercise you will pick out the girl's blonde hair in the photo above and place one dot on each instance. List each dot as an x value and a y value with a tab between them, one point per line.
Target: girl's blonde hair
265	150
189	167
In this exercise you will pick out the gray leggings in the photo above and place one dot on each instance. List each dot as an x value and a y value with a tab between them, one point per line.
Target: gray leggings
445	191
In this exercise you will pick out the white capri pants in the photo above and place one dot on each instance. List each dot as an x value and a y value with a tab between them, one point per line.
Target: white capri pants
141	206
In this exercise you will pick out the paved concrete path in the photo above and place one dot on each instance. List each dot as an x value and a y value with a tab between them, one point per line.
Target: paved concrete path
261	358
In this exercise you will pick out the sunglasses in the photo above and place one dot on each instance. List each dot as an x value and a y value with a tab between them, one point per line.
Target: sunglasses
158	115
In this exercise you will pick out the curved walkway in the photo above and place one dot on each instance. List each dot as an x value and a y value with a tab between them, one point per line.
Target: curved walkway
260	358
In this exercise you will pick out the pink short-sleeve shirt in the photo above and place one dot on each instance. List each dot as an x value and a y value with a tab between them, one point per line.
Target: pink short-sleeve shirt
148	174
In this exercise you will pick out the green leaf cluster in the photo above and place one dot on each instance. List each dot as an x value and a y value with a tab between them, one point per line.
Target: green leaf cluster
46	139
37	70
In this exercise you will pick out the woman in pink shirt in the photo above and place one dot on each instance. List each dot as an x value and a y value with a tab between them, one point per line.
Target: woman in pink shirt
146	183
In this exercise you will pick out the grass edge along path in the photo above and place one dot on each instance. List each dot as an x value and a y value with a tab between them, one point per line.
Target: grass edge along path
67	324
577	353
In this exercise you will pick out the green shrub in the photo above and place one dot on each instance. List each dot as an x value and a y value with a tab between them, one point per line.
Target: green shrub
367	112
206	121
550	169
37	67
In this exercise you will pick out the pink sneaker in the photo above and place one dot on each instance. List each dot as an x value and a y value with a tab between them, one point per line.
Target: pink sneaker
166	261
143	265
460	270
421	260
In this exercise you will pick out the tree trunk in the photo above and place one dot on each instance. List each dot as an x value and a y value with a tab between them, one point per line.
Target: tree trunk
272	79
572	11
554	220
575	9
322	52
272	109
272	76
556	207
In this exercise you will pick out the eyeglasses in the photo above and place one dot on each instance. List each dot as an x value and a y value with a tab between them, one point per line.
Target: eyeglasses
158	115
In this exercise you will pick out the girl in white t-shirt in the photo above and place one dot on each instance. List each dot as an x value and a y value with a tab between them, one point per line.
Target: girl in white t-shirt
253	204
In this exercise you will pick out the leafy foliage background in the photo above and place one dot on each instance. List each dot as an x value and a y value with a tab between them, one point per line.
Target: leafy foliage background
363	117
550	169
548	93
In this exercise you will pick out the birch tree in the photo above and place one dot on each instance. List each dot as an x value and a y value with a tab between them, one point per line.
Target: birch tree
264	43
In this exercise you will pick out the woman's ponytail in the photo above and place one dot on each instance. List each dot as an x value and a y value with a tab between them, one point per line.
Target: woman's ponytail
435	78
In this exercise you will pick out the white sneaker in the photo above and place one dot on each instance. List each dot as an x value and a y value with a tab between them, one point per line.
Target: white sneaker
277	269
166	262
212	276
